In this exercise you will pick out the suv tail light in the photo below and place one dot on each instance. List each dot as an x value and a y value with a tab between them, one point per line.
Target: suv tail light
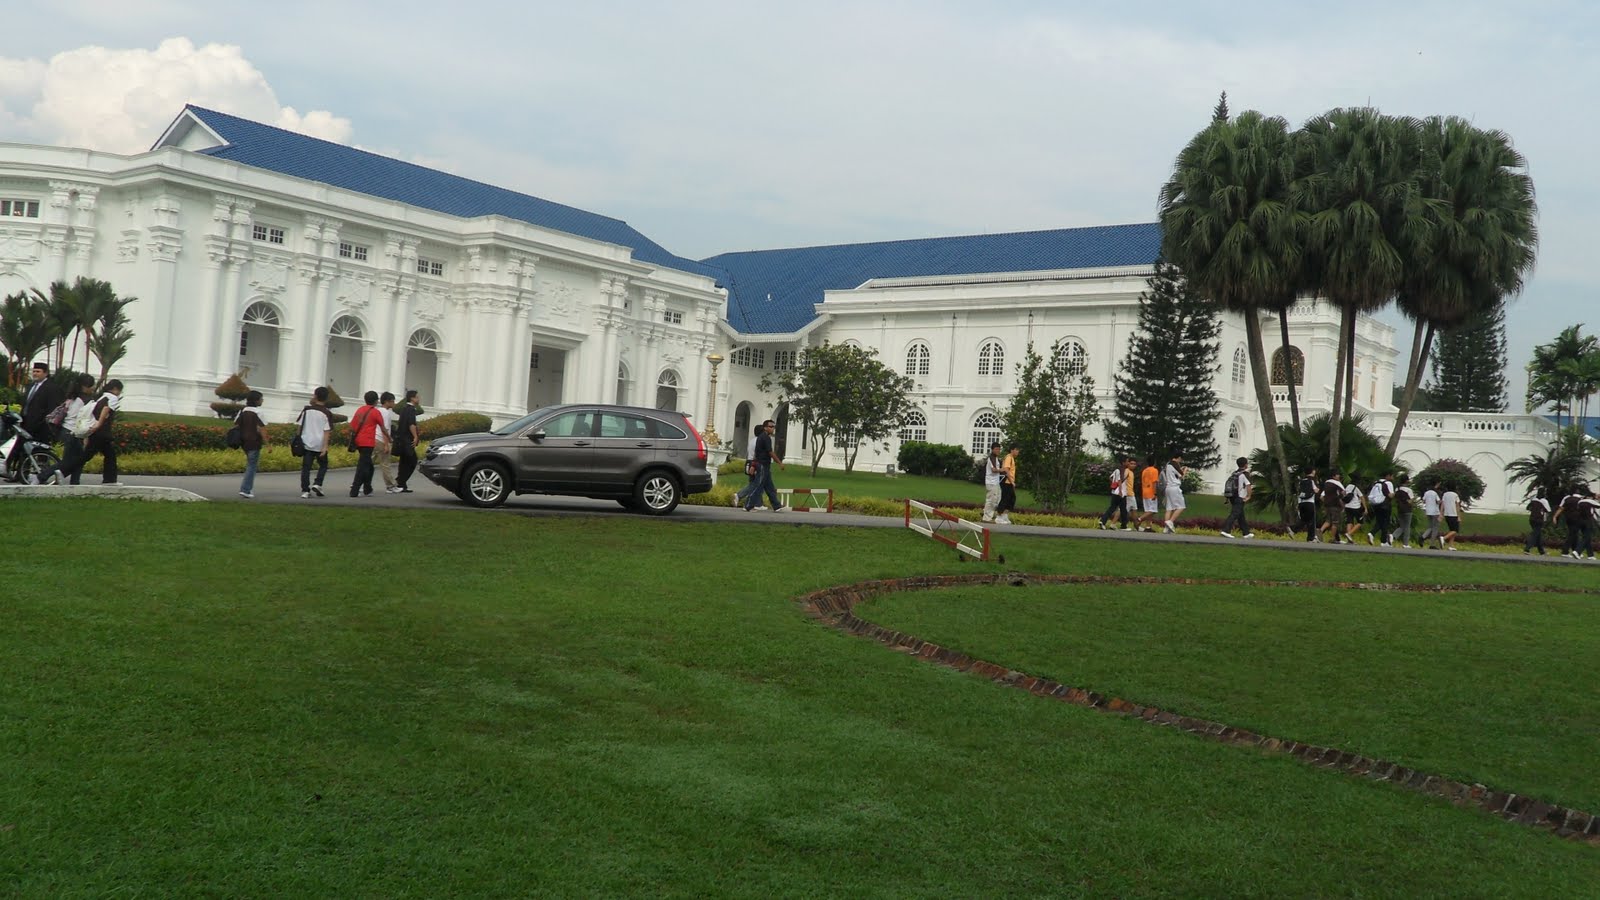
700	442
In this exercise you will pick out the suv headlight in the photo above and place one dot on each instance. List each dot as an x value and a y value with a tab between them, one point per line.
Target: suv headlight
448	449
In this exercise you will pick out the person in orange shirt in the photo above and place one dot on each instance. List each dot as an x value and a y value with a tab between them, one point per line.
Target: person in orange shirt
1147	491
1008	487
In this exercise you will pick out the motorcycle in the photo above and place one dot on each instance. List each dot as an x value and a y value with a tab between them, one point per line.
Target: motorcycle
31	457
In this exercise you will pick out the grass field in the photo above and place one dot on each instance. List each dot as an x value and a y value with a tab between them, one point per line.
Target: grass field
221	699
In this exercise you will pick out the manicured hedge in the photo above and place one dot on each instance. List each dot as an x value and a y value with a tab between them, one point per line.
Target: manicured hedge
167	437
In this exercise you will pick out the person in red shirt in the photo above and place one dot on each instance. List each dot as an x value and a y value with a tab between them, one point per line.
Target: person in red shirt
364	426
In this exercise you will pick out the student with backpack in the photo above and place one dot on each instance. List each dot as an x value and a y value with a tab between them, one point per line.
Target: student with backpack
1118	504
72	442
1306	497
1379	499
1237	490
1588	516
1333	506
1355	506
1404	504
1538	514
252	436
98	435
316	435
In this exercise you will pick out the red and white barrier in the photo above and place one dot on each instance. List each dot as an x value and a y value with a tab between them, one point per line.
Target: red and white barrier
967	537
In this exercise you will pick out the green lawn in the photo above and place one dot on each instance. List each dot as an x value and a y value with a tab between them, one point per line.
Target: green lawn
283	700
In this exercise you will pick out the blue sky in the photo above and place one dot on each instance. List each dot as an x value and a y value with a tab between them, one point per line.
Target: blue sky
716	126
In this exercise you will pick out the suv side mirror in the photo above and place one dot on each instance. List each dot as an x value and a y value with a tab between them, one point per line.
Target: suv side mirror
537	436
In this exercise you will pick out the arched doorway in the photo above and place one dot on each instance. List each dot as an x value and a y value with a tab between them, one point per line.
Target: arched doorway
667	390
345	340
741	428
422	364
780	431
258	345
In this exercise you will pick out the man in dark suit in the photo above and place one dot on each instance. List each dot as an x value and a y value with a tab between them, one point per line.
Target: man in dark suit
41	398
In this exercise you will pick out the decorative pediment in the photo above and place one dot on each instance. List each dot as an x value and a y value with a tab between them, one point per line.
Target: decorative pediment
19	246
353	293
270	276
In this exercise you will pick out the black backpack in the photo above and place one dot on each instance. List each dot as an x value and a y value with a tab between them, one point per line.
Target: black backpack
1535	512
1231	490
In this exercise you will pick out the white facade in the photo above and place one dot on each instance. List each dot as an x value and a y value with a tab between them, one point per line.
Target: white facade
298	284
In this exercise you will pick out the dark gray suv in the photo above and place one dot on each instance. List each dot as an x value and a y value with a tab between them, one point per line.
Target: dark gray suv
645	459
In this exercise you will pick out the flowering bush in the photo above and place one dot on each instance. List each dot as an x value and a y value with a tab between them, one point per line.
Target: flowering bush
1451	473
172	437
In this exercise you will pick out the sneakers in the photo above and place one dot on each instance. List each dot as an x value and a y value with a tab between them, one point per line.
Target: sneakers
1226	534
987	518
1249	534
247	495
392	490
734	500
33	478
1451	547
1371	541
1167	527
1002	519
405	490
781	509
317	489
1102	526
305	495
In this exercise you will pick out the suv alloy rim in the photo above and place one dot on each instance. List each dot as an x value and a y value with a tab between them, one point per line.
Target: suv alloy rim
486	484
658	491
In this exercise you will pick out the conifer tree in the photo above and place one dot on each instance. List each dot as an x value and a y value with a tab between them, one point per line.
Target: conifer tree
1164	399
1469	368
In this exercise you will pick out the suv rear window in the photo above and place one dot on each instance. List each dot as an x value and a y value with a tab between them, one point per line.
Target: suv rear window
665	430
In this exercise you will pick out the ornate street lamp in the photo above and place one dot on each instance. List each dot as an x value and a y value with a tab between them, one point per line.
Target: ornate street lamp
711	413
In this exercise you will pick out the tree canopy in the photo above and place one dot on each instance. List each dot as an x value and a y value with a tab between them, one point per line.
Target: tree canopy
844	396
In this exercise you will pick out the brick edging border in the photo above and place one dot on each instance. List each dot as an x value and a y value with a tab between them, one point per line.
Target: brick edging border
835	607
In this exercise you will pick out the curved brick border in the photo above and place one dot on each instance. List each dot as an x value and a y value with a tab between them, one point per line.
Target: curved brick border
836	607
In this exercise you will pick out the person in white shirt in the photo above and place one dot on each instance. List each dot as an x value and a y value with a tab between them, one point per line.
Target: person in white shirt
1355	505
1404	502
1450	506
1173	474
316	430
1380	500
1430	508
1538	514
383	450
1589	514
993	474
1237	491
1119	495
1333	506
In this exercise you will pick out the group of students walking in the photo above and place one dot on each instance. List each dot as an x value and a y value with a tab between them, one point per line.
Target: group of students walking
81	416
1578	510
380	433
1386	507
1138	495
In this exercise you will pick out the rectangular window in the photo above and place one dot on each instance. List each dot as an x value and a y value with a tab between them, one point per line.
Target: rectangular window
244	342
783	360
20	209
672	317
268	233
352	251
533	360
430	267
750	358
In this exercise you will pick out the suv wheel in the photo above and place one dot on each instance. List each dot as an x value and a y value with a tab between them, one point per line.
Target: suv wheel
486	485
656	494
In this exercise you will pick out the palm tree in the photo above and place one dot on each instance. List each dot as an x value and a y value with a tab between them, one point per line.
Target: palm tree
1359	190
109	340
25	328
97	301
1555	374
1228	224
1474	191
1557	468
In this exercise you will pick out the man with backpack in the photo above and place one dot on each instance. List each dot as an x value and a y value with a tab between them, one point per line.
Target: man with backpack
1355	505
1118	504
1404	503
1237	490
1306	501
1379	499
1333	506
316	433
1578	511
1538	514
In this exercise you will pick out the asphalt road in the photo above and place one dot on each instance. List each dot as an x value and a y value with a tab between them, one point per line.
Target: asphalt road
284	487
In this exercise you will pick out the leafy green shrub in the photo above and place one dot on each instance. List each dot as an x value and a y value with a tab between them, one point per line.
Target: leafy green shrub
935	460
734	466
446	424
1359	451
1451	473
10	396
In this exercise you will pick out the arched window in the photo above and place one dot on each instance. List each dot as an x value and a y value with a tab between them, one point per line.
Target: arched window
422	363
345	327
622	383
667	390
914	427
917	359
985	431
1241	369
1282	369
423	339
1071	358
258	344
344	355
991	360
1235	439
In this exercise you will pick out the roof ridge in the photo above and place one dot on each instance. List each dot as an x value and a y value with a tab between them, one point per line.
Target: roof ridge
391	159
924	240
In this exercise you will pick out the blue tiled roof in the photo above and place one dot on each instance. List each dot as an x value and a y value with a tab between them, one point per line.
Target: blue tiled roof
277	150
774	291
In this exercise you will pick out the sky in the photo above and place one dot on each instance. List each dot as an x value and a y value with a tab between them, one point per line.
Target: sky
718	126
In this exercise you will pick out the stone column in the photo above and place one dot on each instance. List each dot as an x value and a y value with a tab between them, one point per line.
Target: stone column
164	244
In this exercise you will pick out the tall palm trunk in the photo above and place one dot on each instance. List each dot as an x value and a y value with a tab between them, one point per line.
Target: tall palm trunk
1288	365
1269	417
1350	370
1346	315
1420	347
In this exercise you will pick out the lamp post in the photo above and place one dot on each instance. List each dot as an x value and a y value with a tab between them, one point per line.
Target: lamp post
711	413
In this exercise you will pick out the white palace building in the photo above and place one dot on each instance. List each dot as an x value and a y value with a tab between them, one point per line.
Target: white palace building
302	262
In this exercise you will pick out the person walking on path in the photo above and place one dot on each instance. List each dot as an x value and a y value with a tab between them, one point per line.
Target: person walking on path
1119	495
1333	506
1306	503
993	474
1450	506
1430	511
1173	475
1355	505
364	426
1380	499
407	437
316	434
38	402
764	458
383	450
72	446
101	438
1538	514
1130	493
1588	515
1008	486
1149	478
252	437
1405	501
1237	491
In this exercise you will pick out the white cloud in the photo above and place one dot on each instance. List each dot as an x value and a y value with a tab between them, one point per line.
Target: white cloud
121	99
